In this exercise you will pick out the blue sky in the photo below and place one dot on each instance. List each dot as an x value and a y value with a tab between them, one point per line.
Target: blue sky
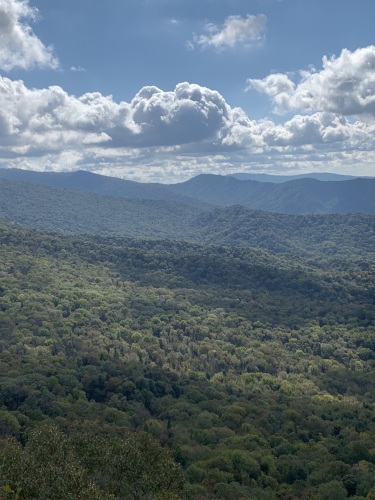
162	90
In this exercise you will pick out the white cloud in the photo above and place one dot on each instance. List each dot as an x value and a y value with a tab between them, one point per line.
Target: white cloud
317	129
19	46
181	132
77	69
345	85
236	30
45	119
190	113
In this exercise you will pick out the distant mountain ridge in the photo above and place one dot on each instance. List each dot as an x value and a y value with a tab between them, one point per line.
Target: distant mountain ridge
99	184
299	196
319	176
73	211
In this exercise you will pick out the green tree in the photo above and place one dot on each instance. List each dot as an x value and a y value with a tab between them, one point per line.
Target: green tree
334	490
54	465
45	468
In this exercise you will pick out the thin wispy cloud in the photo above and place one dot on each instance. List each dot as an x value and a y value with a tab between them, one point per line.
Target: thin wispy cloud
77	69
236	31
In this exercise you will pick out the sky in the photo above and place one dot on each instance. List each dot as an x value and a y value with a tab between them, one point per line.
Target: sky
163	90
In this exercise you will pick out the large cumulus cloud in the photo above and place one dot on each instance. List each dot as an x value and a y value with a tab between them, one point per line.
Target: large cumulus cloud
19	46
49	118
345	85
177	131
189	129
190	113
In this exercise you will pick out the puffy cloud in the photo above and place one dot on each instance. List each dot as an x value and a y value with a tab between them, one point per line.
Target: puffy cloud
345	85
320	132
46	119
49	119
317	129
19	46
277	86
189	114
181	132
236	30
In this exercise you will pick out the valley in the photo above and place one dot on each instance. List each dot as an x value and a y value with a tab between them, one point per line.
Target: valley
241	342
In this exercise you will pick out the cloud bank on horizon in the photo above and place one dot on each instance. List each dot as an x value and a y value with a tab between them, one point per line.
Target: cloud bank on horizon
321	118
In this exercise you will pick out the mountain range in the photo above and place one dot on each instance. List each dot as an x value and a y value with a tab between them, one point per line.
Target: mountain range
319	176
77	211
298	196
240	341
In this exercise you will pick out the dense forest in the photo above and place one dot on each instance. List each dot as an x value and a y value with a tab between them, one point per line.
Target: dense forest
237	365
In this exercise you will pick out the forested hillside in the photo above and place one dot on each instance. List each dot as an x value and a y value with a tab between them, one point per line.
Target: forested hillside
75	211
299	196
99	184
252	369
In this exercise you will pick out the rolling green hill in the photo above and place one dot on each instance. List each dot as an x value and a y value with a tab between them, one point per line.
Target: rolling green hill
254	369
232	349
302	196
76	211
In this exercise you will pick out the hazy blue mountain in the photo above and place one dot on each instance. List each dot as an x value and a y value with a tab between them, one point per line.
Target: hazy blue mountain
99	184
320	176
74	211
294	197
301	196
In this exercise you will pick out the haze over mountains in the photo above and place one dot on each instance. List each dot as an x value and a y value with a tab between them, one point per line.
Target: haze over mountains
78	211
299	216
294	197
297	196
320	176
